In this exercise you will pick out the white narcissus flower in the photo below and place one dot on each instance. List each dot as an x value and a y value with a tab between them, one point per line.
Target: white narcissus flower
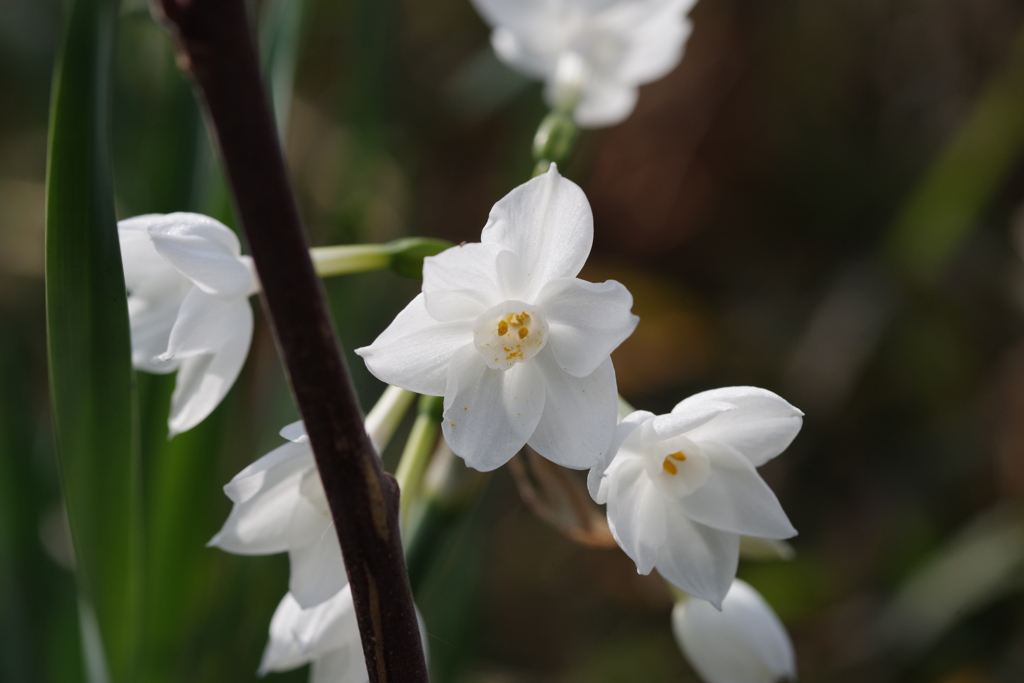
188	307
517	345
682	488
743	643
591	54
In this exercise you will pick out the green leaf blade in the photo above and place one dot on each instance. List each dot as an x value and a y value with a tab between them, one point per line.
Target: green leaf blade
91	378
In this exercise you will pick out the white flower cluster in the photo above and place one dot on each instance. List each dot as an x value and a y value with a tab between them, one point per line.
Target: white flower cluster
519	348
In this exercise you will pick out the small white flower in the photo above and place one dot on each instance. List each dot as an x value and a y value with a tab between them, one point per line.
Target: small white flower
743	643
280	506
326	635
591	54
682	488
188	307
515	343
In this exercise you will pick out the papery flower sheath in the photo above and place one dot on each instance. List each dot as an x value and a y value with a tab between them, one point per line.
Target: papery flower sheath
682	488
591	54
743	643
517	345
188	307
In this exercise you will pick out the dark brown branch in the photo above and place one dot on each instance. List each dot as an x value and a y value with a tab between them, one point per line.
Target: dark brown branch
217	49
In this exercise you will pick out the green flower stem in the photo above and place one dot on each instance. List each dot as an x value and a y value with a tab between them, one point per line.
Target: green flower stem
553	140
450	489
417	452
404	256
343	260
384	418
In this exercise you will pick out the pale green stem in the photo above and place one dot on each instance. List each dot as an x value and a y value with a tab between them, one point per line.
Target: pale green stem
421	443
384	418
343	260
404	256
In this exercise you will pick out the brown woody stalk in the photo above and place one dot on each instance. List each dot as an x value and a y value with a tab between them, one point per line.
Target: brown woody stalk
217	49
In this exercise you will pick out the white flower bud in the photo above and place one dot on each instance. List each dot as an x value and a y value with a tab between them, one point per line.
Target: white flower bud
743	643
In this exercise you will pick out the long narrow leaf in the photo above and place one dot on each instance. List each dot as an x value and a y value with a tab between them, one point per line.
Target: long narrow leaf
91	379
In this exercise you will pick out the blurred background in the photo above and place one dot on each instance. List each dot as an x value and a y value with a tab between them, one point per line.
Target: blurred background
824	199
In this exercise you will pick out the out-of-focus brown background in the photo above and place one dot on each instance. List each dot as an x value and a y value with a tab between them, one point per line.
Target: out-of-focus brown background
824	199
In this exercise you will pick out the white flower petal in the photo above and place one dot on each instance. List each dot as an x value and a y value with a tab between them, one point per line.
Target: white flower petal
461	282
656	41
762	426
151	317
520	55
415	350
204	380
265	493
329	625
636	514
697	559
317	568
605	103
344	665
205	251
548	224
596	480
283	652
735	498
586	321
578	422
743	643
296	432
139	257
489	414
671	425
207	324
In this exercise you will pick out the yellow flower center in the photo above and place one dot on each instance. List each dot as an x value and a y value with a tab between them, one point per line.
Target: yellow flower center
669	466
511	337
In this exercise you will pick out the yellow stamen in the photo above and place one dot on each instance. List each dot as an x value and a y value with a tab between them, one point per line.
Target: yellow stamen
669	466
678	455
502	328
523	332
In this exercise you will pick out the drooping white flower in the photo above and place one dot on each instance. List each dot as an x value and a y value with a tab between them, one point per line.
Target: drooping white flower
682	488
280	506
518	346
591	54
188	307
326	635
743	643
